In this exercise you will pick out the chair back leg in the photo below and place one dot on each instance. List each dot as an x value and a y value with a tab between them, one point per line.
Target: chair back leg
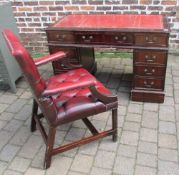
34	112
49	147
114	124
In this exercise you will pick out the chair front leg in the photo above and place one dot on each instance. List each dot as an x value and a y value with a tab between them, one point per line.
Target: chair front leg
49	147
34	112
114	124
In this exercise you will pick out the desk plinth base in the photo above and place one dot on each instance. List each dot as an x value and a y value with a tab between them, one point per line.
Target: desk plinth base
147	96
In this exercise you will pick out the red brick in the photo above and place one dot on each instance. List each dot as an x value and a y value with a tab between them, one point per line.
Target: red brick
63	13
46	2
31	3
96	2
138	7
156	2
27	30
159	8
33	14
17	3
20	19
111	2
49	14
21	24
56	8
25	9
104	8
169	2
79	2
62	2
129	1
28	19
37	19
177	11
16	14
71	8
120	7
145	2
40	8
87	8
34	25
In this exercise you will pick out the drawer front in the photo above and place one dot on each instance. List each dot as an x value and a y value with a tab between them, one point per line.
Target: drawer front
72	53
89	38
119	38
149	71
148	83
150	57
144	39
60	36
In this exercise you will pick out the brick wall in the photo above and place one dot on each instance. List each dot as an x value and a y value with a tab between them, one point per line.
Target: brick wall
34	15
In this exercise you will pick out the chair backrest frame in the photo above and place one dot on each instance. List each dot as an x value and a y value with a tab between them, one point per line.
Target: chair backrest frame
32	75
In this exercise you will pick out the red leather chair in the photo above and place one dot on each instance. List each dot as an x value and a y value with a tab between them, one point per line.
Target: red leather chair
63	98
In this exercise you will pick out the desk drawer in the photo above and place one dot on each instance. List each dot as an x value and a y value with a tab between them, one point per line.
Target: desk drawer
148	83
119	38
60	36
72	53
89	38
151	39
150	57
149	71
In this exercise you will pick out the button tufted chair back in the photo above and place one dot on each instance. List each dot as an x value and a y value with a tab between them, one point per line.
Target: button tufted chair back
26	63
31	73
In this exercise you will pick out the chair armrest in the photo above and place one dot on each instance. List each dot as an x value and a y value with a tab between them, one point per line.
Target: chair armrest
53	89
50	58
105	98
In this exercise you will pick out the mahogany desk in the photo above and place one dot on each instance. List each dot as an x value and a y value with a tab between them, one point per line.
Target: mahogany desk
147	35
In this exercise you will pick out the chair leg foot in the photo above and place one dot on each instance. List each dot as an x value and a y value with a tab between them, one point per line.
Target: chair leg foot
114	124
114	137
33	125
34	112
49	147
47	161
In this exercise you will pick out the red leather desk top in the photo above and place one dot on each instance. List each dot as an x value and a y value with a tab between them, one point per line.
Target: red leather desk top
150	22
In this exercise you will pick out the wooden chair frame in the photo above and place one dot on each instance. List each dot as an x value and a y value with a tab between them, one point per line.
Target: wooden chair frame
49	138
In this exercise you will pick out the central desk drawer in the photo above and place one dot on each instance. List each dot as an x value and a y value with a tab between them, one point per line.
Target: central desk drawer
148	83
119	38
149	71
89	38
151	39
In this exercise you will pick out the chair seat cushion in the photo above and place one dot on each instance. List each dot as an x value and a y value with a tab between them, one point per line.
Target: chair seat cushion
79	103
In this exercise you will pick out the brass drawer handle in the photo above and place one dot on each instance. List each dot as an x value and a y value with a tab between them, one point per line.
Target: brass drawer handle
146	38
151	40
146	71
58	36
148	85
116	37
150	59
87	38
154	57
124	38
91	37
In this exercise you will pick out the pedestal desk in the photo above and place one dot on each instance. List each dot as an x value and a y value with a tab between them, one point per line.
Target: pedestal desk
147	35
